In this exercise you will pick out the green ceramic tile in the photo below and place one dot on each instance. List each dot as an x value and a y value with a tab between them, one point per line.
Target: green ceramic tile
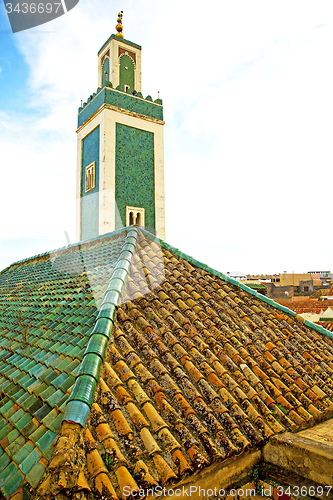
47	393
38	403
4	461
12	435
6	403
7	473
29	428
15	397
59	380
41	369
9	413
56	424
15	446
46	374
39	387
72	367
29	462
49	418
4	432
35	475
52	376
55	361
49	451
23	453
64	364
62	403
12	389
27	381
3	423
42	412
13	484
27	401
56	397
68	383
38	433
17	416
23	421
46	440
56	348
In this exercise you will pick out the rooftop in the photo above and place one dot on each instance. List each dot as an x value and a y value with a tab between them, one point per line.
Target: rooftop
126	362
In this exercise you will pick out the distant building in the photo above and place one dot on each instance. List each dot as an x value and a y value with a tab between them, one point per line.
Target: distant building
289	284
326	277
237	275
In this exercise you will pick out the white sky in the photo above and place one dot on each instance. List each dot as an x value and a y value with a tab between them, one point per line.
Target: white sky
247	93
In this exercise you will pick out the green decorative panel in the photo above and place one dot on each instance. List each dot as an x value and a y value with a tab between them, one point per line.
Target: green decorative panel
134	177
90	200
126	71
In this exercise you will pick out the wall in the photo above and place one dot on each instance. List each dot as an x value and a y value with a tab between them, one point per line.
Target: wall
292	279
306	286
274	291
90	200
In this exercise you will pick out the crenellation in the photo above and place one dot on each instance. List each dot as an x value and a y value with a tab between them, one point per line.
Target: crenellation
119	88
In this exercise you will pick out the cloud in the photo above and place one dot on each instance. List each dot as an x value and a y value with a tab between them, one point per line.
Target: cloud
247	103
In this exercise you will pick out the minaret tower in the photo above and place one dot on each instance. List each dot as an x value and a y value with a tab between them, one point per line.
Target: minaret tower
120	152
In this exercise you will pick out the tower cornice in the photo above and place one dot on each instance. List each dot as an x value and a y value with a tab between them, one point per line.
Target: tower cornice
122	40
119	110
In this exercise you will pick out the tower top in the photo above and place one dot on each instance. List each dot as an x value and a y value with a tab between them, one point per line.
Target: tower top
119	26
120	169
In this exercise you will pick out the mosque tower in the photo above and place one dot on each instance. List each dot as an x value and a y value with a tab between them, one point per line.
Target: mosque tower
120	152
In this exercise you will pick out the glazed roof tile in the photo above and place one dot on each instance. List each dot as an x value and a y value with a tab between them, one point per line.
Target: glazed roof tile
193	368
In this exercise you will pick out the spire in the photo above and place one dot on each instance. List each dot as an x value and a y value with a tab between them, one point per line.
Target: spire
119	26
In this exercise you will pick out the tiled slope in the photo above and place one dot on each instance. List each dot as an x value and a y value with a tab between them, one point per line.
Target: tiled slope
48	306
199	370
328	325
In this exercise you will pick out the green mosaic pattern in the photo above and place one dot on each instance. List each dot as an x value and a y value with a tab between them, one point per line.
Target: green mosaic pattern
134	177
90	200
121	100
48	309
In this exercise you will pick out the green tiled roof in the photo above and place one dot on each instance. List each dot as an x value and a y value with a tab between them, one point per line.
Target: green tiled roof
48	308
165	362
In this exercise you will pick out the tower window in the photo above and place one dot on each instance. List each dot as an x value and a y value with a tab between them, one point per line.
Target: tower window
135	216
126	72
105	71
90	177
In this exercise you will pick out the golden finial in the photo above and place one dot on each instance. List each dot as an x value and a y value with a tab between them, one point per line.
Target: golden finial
119	26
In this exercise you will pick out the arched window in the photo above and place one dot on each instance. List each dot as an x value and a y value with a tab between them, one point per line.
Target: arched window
135	216
126	71
105	71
